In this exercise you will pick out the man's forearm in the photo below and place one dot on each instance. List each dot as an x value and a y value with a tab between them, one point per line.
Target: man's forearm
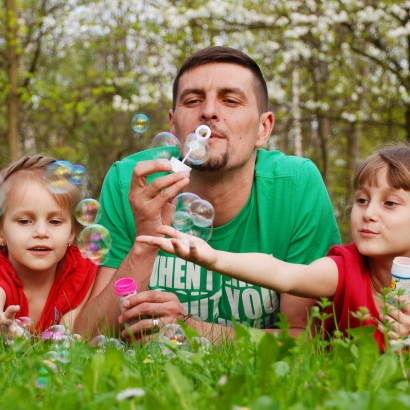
100	314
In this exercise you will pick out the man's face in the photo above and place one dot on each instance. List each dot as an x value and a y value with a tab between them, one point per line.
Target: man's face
222	96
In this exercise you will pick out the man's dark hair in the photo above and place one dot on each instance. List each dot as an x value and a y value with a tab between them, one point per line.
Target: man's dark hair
220	54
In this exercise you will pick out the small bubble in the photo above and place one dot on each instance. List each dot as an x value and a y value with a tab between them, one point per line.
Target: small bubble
94	242
203	213
173	333
78	174
59	176
88	211
140	123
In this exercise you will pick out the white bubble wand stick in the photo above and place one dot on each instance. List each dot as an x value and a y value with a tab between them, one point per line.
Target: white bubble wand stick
203	132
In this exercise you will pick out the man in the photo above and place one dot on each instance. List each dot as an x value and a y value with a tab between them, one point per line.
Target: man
264	202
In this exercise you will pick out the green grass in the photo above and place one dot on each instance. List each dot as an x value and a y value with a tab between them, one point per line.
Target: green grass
257	371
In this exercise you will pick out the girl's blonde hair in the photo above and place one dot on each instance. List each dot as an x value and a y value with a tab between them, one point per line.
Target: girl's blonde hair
33	169
397	160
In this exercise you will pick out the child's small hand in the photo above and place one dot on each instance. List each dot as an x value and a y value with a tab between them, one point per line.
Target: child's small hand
185	246
7	319
398	318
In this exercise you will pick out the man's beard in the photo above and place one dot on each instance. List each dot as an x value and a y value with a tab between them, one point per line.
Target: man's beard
213	164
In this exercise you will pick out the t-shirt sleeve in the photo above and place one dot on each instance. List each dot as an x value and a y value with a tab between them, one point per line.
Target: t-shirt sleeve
315	229
113	199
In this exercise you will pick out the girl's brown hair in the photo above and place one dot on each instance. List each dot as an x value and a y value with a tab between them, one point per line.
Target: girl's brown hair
397	160
33	168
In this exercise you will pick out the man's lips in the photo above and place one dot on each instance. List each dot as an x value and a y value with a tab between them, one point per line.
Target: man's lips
215	135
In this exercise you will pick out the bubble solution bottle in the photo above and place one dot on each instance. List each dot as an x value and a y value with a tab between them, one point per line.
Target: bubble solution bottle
401	273
124	288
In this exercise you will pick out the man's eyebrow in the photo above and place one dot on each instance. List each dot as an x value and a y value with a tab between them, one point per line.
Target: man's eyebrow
233	90
196	91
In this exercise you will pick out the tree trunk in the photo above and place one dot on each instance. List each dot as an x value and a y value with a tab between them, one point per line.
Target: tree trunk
408	123
297	129
13	97
323	133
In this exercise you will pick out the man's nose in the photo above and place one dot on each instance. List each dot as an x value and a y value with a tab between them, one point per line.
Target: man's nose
209	109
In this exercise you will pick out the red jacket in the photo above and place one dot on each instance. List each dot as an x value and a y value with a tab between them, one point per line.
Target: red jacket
69	288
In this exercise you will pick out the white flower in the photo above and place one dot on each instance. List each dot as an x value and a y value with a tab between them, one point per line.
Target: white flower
130	394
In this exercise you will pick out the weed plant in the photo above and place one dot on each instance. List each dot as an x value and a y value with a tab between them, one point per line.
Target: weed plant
257	370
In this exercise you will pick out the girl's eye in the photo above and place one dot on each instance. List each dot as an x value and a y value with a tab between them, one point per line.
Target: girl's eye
23	221
361	201
55	222
390	203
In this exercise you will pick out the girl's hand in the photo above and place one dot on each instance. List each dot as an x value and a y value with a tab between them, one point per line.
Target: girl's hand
7	319
398	318
185	246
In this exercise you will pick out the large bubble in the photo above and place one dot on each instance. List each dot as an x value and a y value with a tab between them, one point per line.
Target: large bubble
59	176
140	123
196	149
88	211
194	216
94	243
166	144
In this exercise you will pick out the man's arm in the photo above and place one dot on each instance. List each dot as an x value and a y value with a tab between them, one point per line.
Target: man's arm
148	204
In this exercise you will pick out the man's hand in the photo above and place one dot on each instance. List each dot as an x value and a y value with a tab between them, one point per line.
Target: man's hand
185	246
151	203
152	310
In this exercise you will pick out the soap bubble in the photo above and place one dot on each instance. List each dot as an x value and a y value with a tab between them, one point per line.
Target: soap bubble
167	145
2	196
25	322
101	343
55	332
203	213
140	123
43	380
193	216
174	333
196	149
59	176
88	211
94	243
204	345
78	174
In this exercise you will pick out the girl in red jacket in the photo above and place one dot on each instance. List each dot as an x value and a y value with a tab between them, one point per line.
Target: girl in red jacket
42	274
353	275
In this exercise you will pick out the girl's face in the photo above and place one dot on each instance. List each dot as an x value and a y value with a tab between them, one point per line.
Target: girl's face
381	220
35	229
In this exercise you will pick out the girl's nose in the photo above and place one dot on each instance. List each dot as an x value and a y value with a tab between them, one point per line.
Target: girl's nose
371	212
41	230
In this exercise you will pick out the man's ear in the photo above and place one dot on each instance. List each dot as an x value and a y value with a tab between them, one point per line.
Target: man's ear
267	121
171	121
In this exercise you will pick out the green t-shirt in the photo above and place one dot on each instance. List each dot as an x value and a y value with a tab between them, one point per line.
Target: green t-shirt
288	215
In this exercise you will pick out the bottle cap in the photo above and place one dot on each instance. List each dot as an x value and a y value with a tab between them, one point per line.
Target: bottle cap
401	267
125	286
